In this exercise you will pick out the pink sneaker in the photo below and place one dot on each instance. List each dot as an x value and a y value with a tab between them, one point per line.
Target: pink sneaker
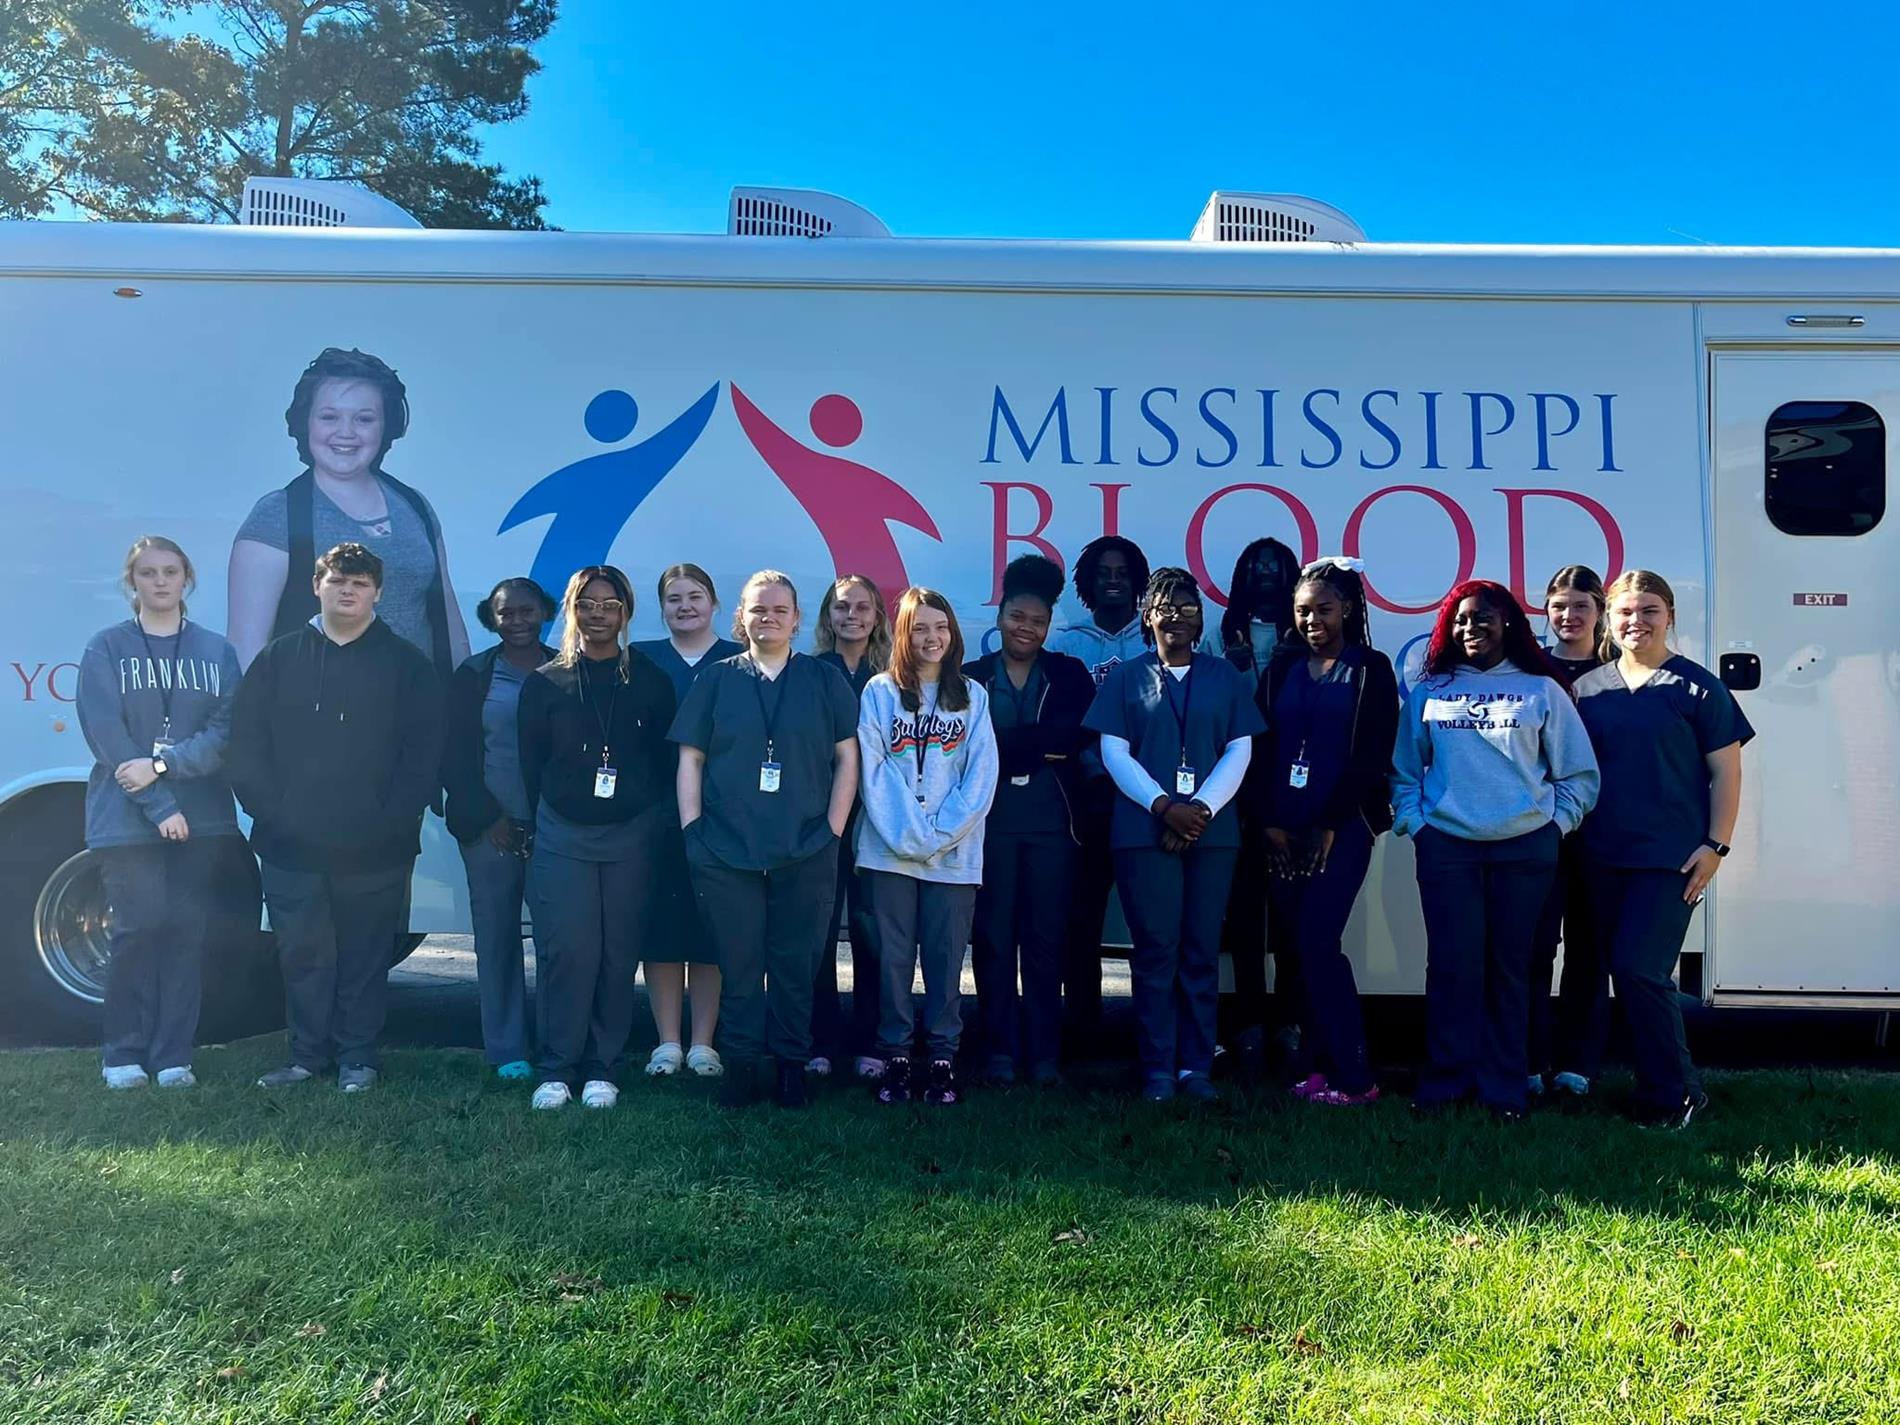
1339	1098
1310	1087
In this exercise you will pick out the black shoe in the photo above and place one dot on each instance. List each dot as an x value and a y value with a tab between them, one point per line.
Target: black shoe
791	1084
1250	1053
1504	1117
1674	1120
942	1085
739	1085
894	1085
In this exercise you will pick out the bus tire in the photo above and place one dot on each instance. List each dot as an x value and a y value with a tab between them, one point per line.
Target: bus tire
54	922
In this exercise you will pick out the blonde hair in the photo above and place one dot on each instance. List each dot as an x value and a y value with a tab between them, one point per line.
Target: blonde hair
1635	581
155	541
570	653
758	581
824	638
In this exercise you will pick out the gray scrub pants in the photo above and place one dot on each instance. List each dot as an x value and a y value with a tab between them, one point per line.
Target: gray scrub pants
916	918
768	928
591	920
497	885
157	892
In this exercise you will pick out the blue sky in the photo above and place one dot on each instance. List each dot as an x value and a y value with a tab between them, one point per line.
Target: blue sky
1561	122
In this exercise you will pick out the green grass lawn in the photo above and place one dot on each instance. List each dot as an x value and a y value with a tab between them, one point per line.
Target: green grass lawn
435	1252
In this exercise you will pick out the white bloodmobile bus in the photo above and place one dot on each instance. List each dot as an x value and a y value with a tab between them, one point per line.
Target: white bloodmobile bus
923	411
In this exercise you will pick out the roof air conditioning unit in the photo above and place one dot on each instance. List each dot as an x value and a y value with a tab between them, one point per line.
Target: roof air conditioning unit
1272	217
798	212
317	203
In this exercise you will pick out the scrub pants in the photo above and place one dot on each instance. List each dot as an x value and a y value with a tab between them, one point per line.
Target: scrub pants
155	979
590	921
1568	1037
766	928
928	920
497	886
1094	879
830	1034
1175	902
1481	901
1309	917
1021	919
1641	920
1250	937
336	937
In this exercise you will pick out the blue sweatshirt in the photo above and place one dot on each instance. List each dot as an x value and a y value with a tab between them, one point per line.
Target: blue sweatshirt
124	686
926	781
1486	756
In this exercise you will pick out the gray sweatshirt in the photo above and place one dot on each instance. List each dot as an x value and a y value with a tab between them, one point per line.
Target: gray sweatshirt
1490	755
123	689
924	810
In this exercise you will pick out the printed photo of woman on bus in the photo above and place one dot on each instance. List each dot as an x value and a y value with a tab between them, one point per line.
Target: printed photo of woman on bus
348	408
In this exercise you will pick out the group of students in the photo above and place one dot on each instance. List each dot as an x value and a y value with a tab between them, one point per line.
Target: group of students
717	810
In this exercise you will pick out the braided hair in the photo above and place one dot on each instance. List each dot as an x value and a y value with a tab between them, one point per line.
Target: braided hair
1165	586
1349	588
1248	598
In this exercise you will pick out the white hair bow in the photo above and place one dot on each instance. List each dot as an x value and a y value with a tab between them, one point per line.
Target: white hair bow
1336	561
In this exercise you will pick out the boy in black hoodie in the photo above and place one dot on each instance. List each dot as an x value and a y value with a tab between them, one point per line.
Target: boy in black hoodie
336	747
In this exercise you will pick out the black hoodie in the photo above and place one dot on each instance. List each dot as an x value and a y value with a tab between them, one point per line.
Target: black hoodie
336	748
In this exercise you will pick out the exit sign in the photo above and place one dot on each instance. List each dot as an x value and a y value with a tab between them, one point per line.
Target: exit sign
1820	601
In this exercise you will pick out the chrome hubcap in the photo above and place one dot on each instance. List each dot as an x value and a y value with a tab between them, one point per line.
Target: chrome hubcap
72	925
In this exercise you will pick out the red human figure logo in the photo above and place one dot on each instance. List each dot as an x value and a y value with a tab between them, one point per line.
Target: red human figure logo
852	504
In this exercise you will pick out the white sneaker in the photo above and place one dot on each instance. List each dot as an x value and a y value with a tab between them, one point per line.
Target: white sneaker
180	1077
665	1061
124	1076
870	1067
598	1093
704	1060
554	1094
818	1064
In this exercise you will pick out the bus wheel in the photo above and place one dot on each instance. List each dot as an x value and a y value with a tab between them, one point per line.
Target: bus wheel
55	932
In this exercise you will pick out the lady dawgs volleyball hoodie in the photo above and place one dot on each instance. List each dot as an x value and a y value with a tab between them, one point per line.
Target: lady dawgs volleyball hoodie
927	782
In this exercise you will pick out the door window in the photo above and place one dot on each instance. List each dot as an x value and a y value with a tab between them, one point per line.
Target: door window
1827	468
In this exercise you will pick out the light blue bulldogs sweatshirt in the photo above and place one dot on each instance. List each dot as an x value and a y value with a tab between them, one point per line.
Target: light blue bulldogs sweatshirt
1490	755
926	782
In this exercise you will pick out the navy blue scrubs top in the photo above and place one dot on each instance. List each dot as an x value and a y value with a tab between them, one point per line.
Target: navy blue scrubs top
1141	701
1651	742
1313	723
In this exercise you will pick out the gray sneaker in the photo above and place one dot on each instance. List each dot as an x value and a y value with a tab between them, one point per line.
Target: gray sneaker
285	1077
356	1078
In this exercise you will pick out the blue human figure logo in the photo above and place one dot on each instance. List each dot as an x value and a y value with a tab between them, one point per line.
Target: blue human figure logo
592	499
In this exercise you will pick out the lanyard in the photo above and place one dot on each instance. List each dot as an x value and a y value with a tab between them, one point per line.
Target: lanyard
164	683
1179	710
604	723
770	714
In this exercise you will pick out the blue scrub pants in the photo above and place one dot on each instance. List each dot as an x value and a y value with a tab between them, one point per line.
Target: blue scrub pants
1309	916
1022	913
1641	919
1568	1035
1481	901
1175	903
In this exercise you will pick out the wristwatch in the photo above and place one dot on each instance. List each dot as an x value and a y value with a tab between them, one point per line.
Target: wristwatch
158	763
1719	848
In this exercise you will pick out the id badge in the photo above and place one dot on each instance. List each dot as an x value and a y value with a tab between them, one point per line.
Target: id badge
769	776
1019	781
604	779
1296	775
160	746
1184	781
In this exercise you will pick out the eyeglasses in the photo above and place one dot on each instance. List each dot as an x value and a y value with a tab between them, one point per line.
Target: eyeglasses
1176	613
598	606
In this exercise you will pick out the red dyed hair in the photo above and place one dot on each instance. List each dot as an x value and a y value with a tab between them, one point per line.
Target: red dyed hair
1521	647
